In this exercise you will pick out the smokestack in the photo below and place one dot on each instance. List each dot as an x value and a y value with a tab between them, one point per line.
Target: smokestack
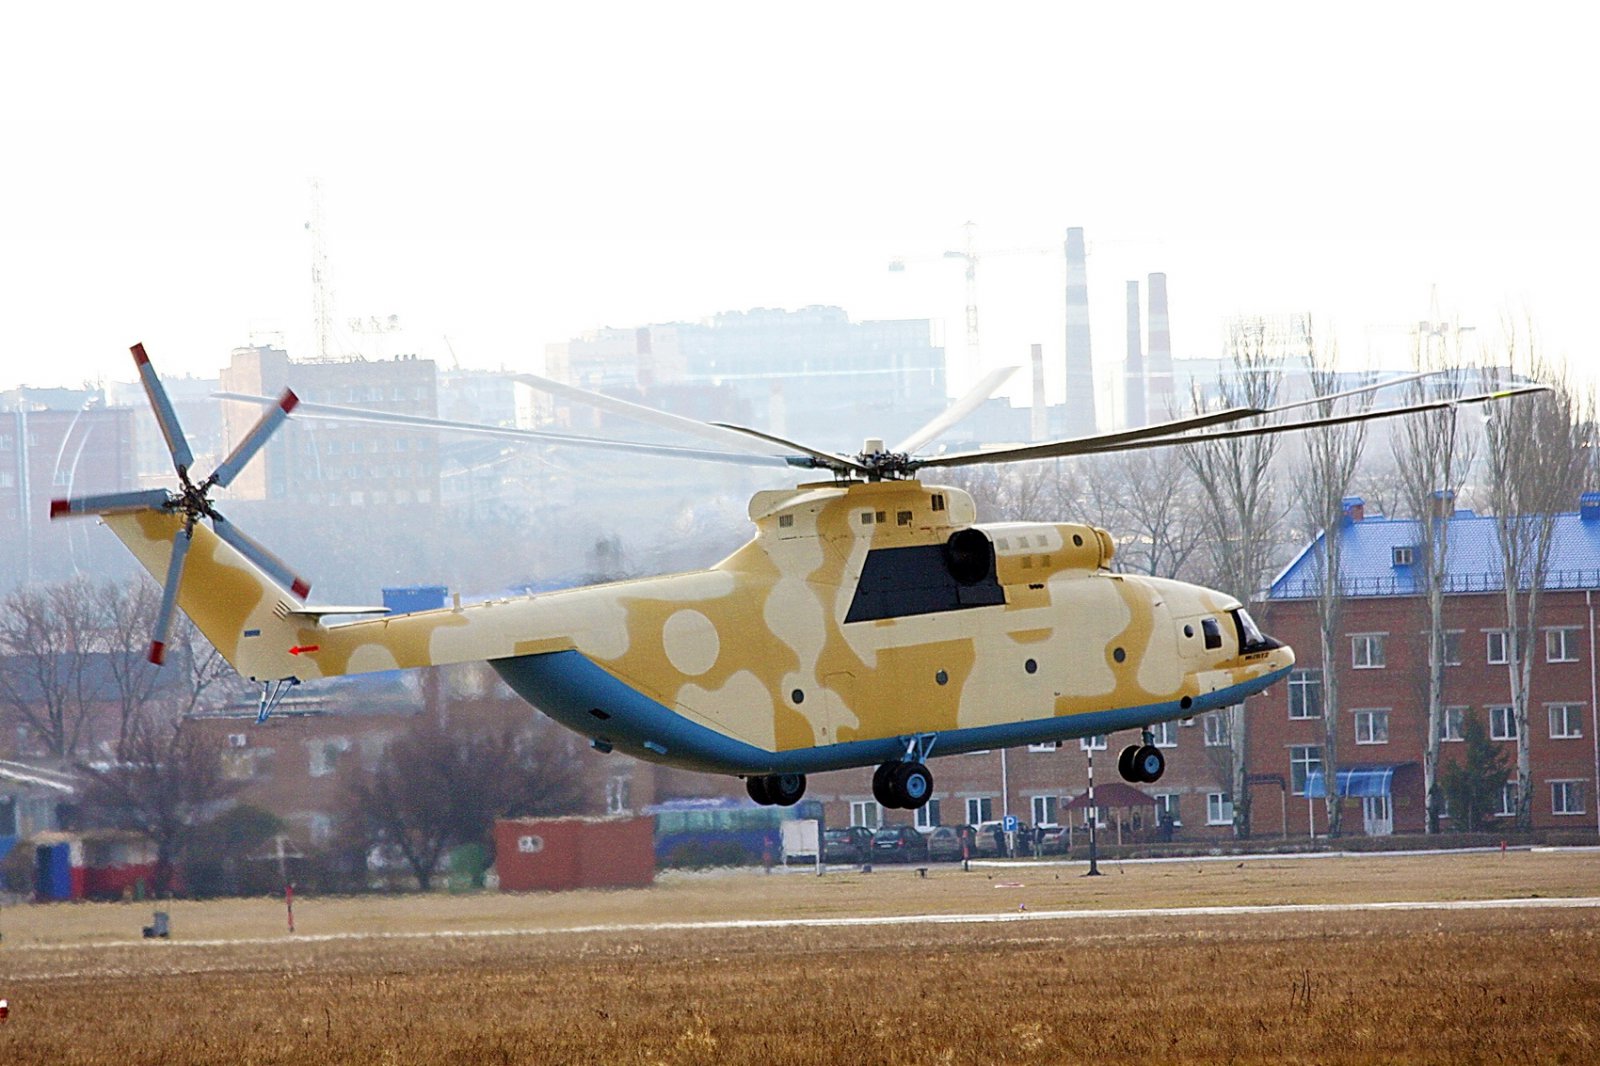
1160	404
1039	428
1134	367
1080	363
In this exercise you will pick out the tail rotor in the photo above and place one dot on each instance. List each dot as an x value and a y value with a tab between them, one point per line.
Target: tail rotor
191	500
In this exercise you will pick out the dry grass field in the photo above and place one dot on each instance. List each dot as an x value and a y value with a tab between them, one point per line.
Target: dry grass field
595	978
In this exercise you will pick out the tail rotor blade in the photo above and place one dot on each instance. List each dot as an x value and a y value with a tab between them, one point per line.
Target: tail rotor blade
110	503
166	417
169	594
270	564
255	439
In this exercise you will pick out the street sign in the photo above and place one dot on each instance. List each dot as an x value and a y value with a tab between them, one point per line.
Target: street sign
1009	824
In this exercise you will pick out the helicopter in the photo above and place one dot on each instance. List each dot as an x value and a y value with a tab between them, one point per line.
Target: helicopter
871	620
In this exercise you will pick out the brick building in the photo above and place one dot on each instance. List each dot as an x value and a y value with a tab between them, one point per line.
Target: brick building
1382	669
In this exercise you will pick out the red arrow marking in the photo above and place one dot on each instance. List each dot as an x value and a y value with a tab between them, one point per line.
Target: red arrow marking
302	649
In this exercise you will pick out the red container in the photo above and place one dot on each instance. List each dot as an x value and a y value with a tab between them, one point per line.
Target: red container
553	854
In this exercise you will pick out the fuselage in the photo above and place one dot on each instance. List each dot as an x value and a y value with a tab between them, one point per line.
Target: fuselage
860	618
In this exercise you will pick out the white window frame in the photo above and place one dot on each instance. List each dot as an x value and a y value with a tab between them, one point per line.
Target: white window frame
1508	800
1367	651
1098	742
926	817
1165	734
618	793
1216	729
1561	644
1570	716
1567	798
1300	755
975	811
1452	646
1453	726
1167	803
862	810
1499	647
321	765
1307	684
1100	821
1372	725
1219	808
1502	714
1039	806
1049	748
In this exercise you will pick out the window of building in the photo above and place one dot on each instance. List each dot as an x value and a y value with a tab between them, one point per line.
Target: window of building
1452	647
1165	734
1403	556
1050	746
1216	729
980	809
1454	725
1305	694
1508	800
866	812
1044	810
1094	743
325	755
321	827
238	740
1219	808
927	815
1502	724
1500	645
1366	651
1566	721
1167	804
617	792
1303	760
1372	727
1099	819
1566	797
1561	645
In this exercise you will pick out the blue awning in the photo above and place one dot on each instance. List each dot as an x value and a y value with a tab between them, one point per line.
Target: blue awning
1355	781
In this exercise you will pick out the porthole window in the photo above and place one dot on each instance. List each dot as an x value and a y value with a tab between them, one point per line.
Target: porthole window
1119	655
797	696
1031	666
1188	631
942	677
1077	540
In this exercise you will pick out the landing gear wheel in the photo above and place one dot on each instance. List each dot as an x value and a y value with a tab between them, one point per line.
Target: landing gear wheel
756	785
883	785
1125	763
912	785
1149	764
785	790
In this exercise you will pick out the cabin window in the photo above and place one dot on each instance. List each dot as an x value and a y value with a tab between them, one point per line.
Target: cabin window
866	518
937	501
902	518
880	518
1213	631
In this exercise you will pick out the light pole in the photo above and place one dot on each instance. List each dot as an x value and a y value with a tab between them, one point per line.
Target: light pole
1094	816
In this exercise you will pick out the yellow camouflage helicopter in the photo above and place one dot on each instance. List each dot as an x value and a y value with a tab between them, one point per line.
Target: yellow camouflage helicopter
872	619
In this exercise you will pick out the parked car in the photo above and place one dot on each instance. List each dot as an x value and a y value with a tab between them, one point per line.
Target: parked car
899	843
945	842
852	844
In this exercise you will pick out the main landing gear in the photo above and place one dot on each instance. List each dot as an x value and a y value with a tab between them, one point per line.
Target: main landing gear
1142	763
776	790
902	785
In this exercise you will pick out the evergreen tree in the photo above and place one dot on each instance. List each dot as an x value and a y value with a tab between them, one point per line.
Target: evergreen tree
1472	784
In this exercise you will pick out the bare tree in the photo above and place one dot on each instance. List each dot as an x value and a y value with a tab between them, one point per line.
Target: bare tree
165	781
127	617
1537	454
1241	513
1149	502
1332	455
1434	452
48	635
439	786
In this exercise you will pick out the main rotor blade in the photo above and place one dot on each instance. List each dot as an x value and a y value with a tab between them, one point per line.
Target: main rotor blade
818	458
334	413
1012	455
1332	396
253	441
166	417
1099	442
270	564
974	398
169	593
111	503
641	413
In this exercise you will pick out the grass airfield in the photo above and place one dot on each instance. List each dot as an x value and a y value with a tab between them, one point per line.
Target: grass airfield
630	976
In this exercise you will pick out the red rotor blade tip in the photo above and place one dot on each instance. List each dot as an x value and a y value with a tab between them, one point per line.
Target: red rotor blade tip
139	357
158	652
59	508
289	401
300	588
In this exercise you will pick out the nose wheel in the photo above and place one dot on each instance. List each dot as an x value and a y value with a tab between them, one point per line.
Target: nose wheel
903	786
1142	763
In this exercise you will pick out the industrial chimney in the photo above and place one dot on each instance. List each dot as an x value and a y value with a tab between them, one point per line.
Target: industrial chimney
1080	364
1039	427
1134	367
1160	401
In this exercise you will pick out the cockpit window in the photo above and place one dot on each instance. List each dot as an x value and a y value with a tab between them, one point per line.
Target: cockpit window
1250	636
1213	632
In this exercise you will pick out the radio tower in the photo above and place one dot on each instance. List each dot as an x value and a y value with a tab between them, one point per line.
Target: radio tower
321	289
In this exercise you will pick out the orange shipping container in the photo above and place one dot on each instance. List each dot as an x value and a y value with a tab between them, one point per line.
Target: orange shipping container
552	854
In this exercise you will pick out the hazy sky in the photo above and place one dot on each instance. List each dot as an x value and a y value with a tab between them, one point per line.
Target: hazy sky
507	179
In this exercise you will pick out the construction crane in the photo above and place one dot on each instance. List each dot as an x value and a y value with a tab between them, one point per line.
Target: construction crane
968	256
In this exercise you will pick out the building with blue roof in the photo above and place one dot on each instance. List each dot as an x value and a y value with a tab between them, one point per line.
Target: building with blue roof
1381	657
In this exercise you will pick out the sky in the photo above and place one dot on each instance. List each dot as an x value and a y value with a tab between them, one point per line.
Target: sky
503	178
